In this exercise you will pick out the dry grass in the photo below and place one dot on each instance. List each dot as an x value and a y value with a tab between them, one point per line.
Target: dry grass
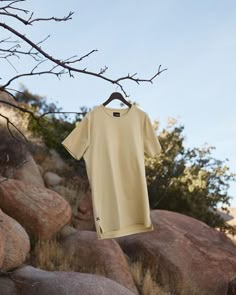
145	280
146	283
187	289
49	255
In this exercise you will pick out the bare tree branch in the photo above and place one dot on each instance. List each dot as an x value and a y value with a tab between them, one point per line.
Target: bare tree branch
29	21
39	53
65	18
13	52
11	9
72	69
79	59
8	127
10	6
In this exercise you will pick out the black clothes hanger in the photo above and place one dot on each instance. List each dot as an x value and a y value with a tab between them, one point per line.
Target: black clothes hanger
117	95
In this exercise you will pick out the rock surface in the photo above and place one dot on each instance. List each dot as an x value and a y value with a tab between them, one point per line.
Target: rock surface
33	281
58	162
84	216
7	286
16	244
29	172
52	179
184	251
4	96
42	212
2	240
232	287
106	255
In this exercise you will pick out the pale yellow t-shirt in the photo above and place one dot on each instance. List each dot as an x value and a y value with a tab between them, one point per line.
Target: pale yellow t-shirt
113	148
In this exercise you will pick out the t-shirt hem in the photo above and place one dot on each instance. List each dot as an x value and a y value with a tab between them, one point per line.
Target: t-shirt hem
124	232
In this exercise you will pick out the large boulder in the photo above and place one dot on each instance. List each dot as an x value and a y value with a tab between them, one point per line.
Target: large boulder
2	240
184	252
32	281
51	161
51	179
29	172
232	287
84	219
105	254
5	97
42	212
16	243
57	161
7	286
7	109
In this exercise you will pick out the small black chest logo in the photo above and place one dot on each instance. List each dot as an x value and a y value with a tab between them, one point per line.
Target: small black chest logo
116	114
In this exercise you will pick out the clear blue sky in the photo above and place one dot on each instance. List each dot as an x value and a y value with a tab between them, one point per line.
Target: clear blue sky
194	40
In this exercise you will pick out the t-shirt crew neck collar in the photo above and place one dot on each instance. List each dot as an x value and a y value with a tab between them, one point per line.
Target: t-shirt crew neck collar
109	111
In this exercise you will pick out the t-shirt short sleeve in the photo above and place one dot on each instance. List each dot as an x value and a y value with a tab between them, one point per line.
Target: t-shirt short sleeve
152	146
77	141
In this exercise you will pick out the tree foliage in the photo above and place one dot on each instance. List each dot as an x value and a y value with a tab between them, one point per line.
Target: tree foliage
189	180
54	127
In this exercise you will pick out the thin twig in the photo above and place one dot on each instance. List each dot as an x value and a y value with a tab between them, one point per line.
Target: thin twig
72	69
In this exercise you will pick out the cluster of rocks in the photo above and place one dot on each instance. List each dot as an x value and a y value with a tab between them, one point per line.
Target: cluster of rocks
30	208
182	252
